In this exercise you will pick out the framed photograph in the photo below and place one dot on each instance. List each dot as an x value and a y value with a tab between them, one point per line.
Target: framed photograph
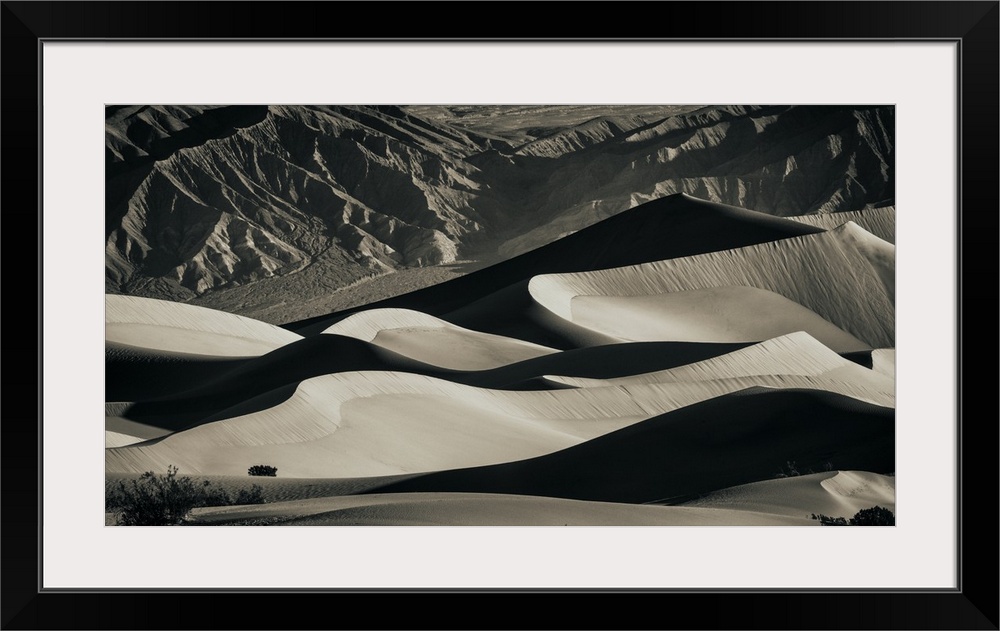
565	318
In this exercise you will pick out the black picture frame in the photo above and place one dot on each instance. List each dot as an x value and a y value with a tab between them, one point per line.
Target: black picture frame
973	605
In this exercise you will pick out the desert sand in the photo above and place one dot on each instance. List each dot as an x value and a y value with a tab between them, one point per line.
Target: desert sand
682	363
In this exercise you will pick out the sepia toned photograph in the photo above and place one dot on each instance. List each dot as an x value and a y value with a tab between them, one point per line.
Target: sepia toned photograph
500	315
564	317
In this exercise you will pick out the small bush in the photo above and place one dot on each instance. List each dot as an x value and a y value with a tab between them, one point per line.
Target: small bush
254	496
788	471
826	520
875	516
155	500
166	500
263	470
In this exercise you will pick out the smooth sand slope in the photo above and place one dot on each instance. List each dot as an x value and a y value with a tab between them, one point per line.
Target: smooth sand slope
362	424
719	314
384	423
134	374
170	327
710	339
191	401
435	342
281	369
831	493
884	361
880	254
827	273
716	444
781	361
475	509
881	222
670	227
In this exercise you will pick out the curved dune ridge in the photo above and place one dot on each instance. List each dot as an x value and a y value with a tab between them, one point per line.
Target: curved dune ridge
673	226
715	444
187	402
170	327
776	363
719	314
881	222
884	361
435	342
361	424
707	348
880	254
824	272
832	493
120	431
384	423
116	439
481	509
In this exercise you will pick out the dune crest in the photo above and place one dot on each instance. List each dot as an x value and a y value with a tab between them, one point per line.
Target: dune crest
718	314
384	423
682	363
824	272
831	493
435	342
881	222
170	327
484	509
723	442
796	360
884	361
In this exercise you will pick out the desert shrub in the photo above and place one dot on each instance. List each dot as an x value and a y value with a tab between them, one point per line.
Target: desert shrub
826	520
254	496
156	500
874	516
166	500
263	469
788	471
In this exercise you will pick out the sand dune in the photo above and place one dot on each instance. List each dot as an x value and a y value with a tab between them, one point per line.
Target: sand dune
170	327
884	361
598	362
475	509
881	222
719	314
191	402
666	228
115	439
126	429
880	254
688	393
785	501
360	424
718	345
435	342
716	444
371	423
832	493
774	363
825	273
134	374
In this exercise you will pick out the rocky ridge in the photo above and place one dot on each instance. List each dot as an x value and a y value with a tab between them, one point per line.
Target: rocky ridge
203	200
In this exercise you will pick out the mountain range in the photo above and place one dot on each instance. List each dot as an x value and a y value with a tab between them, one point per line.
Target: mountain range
268	211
